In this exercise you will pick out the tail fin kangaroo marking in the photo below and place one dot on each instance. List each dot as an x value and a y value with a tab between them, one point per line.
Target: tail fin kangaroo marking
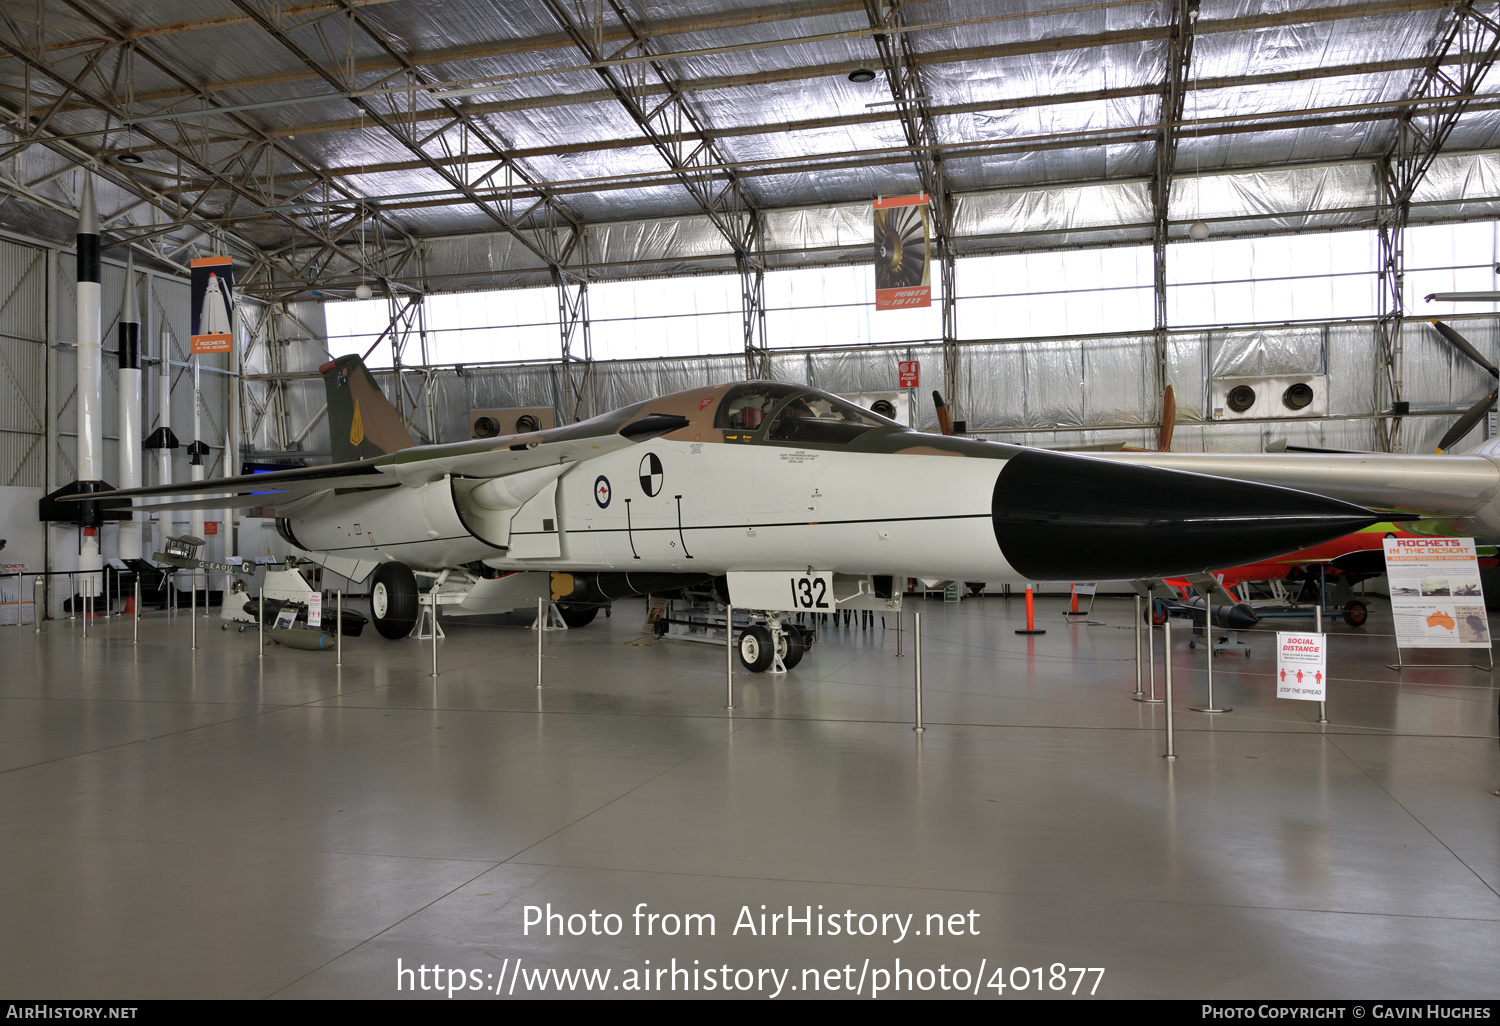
361	421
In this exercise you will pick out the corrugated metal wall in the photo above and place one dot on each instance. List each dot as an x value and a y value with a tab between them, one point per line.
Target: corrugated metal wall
1055	391
23	334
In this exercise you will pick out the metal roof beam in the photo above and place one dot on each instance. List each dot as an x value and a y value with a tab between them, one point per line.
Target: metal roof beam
1085	138
883	116
183	153
535	241
1173	92
672	127
1444	96
1040	45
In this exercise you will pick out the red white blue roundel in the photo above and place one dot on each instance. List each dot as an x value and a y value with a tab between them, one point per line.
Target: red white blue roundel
601	491
651	473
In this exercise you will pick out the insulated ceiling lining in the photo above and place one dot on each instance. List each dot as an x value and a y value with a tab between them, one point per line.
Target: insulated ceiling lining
1024	95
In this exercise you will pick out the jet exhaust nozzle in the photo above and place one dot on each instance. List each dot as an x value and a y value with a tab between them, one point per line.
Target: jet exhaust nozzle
1062	517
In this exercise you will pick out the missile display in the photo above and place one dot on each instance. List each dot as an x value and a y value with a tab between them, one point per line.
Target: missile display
87	515
129	344
162	440
90	379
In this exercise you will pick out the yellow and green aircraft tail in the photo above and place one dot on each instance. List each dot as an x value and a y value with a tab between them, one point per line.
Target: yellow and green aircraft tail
361	421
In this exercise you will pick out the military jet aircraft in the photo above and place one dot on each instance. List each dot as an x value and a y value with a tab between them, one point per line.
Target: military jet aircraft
801	500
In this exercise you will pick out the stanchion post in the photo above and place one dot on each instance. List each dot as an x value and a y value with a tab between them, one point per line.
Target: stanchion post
193	612
541	607
1150	699
72	597
1318	629
433	594
728	657
1138	691
260	622
135	618
86	604
916	633
38	605
338	628
1208	633
1170	755
899	615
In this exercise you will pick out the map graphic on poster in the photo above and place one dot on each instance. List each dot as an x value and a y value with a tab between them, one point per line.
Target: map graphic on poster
1436	598
1301	666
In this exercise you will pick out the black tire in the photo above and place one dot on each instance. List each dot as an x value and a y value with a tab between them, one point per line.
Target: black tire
1355	613
792	646
579	616
755	648
393	600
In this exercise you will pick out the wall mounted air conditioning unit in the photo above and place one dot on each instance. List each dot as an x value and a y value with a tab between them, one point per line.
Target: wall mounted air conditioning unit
515	421
895	405
1278	397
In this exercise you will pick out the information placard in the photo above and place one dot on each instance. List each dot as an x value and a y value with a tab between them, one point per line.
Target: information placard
1301	666
314	609
1436	598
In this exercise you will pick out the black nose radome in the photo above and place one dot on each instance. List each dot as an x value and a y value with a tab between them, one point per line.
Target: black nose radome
1060	517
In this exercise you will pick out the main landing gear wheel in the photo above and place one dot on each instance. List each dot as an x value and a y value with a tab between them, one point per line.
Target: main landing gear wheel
1355	614
393	600
579	616
791	646
755	648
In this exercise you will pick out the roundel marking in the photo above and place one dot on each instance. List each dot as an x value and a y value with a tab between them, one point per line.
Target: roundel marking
651	473
601	491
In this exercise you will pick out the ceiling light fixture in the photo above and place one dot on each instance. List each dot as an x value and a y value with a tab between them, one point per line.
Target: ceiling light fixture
861	75
130	158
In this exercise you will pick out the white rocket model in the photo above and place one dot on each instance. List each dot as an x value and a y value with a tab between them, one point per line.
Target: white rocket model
129	342
214	321
161	439
90	379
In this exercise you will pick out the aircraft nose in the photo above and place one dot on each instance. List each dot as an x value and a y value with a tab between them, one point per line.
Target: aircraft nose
1061	517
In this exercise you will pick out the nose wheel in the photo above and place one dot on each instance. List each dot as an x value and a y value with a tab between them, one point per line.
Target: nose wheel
772	647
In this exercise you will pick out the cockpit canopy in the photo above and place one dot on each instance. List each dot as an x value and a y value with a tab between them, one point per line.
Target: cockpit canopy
795	414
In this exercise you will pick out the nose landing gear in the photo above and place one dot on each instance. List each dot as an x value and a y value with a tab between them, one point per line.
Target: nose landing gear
773	647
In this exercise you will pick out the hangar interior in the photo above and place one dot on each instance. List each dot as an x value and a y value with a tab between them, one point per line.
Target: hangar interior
579	205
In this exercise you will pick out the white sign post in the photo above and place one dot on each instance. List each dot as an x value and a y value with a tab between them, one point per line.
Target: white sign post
1301	666
1436	598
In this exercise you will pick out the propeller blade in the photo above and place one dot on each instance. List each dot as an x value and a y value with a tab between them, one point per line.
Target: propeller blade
1168	420
1462	345
1467	421
945	419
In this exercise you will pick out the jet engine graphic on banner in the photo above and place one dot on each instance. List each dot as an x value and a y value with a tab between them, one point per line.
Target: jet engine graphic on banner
213	299
903	253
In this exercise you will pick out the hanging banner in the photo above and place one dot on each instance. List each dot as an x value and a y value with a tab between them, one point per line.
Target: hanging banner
1436	598
903	253
1302	666
213	304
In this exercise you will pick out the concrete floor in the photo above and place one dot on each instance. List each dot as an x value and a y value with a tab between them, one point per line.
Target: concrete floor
180	824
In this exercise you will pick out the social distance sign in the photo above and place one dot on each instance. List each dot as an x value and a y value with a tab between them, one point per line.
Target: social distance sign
1302	666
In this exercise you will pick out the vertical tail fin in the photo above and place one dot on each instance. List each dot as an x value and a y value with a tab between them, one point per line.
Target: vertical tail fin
361	421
